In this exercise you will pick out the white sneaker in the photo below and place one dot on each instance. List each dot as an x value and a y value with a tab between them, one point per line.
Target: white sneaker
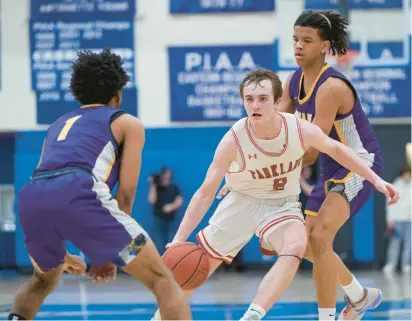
355	311
251	317
156	316
406	269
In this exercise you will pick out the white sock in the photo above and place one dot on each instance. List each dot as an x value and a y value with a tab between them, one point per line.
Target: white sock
327	314
354	290
157	315
254	308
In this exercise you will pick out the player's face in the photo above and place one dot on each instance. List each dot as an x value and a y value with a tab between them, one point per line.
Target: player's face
167	175
308	46
406	176
259	102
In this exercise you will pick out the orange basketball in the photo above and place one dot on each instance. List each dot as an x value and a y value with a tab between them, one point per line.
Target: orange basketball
188	263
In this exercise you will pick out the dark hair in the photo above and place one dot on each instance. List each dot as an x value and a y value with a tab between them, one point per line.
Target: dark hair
404	169
97	77
256	76
331	26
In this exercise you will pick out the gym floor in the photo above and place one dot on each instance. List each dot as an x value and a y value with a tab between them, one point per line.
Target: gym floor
225	296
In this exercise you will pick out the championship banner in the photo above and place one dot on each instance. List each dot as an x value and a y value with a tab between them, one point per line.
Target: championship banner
220	6
353	4
53	48
82	9
204	80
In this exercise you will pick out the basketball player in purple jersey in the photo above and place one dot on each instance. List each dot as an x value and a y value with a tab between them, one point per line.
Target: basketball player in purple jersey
324	96
85	153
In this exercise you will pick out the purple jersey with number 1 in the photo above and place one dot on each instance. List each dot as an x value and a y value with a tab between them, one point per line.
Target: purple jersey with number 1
83	138
69	196
352	129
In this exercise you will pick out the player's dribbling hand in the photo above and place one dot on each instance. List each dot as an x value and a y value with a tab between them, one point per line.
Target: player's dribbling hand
176	240
74	265
172	243
222	192
103	273
388	190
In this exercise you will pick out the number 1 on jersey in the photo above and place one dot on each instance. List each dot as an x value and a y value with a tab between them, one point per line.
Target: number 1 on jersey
67	127
279	184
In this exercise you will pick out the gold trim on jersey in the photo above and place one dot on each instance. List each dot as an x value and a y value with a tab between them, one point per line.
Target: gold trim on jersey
306	98
337	181
340	133
311	213
109	169
91	105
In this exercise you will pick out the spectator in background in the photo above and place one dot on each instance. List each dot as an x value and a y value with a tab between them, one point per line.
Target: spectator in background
398	220
166	200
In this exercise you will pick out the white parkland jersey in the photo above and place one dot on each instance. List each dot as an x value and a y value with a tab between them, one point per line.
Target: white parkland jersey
267	169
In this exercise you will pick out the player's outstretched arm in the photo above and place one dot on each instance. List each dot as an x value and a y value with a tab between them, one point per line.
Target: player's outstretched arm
204	196
314	137
129	131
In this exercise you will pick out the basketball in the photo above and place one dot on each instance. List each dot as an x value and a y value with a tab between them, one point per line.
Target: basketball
188	263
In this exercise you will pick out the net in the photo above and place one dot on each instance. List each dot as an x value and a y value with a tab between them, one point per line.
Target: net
344	63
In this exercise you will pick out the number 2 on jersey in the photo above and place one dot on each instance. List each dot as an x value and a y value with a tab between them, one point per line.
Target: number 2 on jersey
279	184
69	123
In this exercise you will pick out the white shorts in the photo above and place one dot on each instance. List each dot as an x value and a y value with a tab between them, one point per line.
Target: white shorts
238	217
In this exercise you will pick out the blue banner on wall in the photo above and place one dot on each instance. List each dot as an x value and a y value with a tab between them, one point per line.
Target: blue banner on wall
204	80
382	77
82	9
353	4
220	6
383	91
53	48
51	105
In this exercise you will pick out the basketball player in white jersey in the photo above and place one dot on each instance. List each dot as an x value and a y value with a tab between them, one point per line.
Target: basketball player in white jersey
261	159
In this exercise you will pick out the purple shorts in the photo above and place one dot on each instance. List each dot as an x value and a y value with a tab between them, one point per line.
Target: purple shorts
77	208
356	190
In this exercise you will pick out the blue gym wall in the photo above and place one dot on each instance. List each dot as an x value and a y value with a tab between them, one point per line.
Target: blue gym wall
188	151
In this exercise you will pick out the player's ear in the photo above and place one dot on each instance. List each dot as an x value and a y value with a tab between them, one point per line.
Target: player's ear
325	46
118	98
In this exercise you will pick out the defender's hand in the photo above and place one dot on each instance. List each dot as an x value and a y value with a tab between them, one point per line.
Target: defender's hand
103	274
74	265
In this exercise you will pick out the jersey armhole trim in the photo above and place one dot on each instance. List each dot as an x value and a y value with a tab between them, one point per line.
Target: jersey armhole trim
300	134
113	117
290	88
239	149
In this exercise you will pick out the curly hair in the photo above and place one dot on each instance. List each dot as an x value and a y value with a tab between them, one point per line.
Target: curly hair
331	26
97	77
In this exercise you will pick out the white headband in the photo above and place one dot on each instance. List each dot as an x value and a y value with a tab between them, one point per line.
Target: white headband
327	19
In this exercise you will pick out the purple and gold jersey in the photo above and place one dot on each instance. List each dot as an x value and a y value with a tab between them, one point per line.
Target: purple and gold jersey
83	138
69	196
352	129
